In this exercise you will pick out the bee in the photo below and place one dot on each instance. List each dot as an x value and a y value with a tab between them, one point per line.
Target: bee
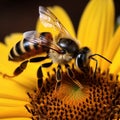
60	50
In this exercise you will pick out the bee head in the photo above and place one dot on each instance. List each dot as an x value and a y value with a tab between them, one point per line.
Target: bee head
82	58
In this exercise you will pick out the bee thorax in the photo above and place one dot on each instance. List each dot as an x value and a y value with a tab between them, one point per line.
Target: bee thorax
59	58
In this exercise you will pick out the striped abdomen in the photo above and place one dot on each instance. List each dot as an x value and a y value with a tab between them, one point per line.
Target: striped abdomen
25	48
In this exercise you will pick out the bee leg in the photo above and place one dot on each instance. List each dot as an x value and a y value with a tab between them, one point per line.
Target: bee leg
92	57
40	74
70	72
18	70
72	76
40	77
58	77
96	66
23	66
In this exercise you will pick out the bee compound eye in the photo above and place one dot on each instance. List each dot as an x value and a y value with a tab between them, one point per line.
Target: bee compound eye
80	59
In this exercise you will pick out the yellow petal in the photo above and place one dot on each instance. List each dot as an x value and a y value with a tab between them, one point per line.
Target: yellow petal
9	112
12	39
12	89
11	102
112	49
97	25
115	66
62	16
16	118
24	79
113	45
84	25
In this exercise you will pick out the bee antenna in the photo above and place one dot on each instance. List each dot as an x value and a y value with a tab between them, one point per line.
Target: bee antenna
91	56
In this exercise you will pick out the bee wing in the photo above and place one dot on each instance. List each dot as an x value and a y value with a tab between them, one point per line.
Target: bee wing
34	38
48	19
30	34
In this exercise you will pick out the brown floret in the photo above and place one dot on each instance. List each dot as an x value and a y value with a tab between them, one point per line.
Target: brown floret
98	100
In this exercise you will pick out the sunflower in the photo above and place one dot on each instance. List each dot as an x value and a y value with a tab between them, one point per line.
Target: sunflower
98	98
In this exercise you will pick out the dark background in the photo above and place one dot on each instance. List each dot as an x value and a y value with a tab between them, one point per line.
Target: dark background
21	15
